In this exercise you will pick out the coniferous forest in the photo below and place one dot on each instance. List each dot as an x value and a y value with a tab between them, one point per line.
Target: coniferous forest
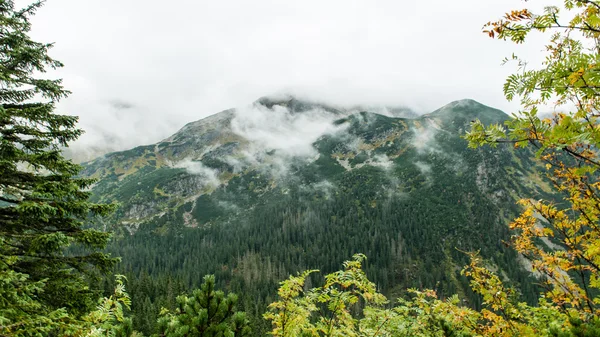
463	221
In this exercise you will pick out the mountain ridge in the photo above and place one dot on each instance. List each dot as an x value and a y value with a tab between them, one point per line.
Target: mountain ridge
216	149
298	106
257	193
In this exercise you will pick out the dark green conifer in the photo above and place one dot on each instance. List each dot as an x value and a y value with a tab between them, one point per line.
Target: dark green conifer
206	313
44	205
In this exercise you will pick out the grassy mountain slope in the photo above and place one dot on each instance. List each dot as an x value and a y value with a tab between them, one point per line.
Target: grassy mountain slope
217	198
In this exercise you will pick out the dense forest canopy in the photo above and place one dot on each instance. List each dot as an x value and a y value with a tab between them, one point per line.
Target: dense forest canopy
447	211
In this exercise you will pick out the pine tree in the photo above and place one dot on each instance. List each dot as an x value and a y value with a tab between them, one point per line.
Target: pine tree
206	313
44	207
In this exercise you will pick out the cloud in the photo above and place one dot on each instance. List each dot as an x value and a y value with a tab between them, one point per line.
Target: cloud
228	206
323	188
424	140
208	56
425	143
209	175
382	161
278	129
277	137
423	167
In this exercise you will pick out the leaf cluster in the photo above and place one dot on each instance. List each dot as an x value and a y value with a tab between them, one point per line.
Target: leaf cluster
205	313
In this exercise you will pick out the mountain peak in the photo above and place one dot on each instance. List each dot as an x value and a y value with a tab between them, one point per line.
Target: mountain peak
466	110
294	104
464	103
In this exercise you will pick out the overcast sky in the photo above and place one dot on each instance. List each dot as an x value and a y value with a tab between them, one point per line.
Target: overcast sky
141	69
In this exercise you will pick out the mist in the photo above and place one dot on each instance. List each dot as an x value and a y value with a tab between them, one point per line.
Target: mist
139	70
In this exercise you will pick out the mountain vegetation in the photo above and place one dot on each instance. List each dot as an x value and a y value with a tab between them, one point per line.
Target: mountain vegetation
44	208
205	313
251	195
374	185
567	143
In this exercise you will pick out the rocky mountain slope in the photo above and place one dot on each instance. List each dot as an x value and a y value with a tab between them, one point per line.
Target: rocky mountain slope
257	193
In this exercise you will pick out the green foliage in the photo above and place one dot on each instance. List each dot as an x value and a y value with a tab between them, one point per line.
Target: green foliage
206	313
44	201
21	314
109	319
348	304
256	230
207	209
568	143
295	314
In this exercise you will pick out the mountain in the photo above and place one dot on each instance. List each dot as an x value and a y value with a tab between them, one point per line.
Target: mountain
257	193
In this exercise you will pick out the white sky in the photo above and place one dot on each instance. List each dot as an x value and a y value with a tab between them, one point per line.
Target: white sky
172	62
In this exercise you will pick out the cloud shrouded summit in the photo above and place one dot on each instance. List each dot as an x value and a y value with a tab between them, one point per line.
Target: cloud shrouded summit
139	70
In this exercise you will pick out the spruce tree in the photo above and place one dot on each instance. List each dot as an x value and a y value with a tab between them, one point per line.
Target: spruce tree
44	208
206	313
